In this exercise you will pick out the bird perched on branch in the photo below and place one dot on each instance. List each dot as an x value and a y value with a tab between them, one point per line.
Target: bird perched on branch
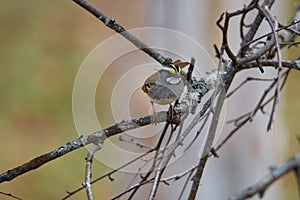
166	85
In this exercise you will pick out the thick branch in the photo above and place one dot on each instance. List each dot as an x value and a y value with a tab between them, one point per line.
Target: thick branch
96	138
41	160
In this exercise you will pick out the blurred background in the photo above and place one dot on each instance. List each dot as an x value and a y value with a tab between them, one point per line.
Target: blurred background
43	44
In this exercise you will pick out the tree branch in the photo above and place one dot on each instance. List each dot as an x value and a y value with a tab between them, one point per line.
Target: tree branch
10	195
253	29
111	23
275	173
88	170
207	144
96	138
272	63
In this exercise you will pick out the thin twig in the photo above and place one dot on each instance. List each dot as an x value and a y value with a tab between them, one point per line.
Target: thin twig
274	25
132	141
179	176
157	178
246	81
188	179
260	103
166	156
272	63
109	173
157	148
277	30
10	195
199	131
88	170
134	187
252	31
224	30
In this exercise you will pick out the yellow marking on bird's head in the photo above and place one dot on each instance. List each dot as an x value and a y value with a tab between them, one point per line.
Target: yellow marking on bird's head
174	69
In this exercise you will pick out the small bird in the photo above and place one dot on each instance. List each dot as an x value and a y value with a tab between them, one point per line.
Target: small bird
166	85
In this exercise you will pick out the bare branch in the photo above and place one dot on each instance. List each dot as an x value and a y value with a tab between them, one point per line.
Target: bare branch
109	173
248	117
297	171
272	63
290	38
10	195
186	182
207	144
88	170
250	7
111	23
224	30
41	160
154	164
252	31
248	79
274	25
95	138
275	173
134	188
132	141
